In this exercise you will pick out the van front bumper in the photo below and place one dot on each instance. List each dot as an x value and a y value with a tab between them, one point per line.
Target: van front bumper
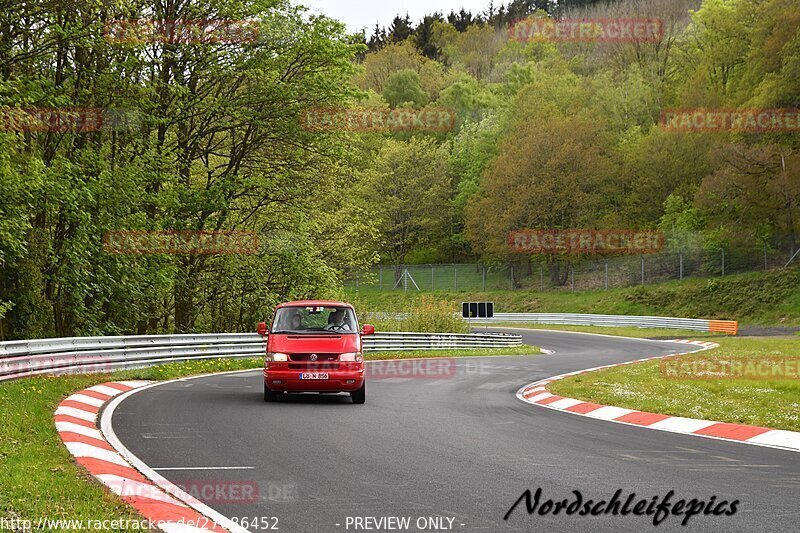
291	381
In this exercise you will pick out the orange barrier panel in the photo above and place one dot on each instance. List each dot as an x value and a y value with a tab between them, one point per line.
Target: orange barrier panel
723	326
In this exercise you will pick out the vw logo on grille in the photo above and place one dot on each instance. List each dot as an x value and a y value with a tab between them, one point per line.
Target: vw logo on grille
313	357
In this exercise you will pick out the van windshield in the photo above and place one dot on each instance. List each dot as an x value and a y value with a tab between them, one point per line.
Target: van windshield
306	320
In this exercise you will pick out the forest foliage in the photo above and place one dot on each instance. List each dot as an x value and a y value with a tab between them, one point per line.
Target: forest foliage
548	135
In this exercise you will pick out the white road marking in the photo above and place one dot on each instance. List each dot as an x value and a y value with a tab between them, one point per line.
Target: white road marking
166	436
166	468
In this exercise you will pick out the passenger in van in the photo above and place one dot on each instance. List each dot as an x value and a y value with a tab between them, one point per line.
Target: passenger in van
297	321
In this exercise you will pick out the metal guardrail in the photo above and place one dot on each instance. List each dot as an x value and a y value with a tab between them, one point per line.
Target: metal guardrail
81	355
695	324
573	319
438	341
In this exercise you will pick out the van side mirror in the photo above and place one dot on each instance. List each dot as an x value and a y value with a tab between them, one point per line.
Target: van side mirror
262	328
368	329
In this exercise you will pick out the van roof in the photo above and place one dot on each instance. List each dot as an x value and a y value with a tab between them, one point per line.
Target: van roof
314	303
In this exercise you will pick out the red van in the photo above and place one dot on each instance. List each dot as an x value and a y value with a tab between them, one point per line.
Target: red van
314	346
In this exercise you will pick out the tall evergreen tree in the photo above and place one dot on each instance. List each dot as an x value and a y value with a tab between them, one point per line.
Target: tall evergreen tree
401	29
423	34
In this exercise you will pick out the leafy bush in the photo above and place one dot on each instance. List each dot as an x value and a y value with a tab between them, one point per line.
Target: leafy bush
425	314
435	316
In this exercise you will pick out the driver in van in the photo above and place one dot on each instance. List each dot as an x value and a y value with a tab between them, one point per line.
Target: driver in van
336	320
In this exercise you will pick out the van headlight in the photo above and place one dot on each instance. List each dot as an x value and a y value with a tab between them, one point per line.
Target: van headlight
277	357
351	357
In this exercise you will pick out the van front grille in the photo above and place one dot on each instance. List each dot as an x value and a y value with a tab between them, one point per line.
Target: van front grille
320	357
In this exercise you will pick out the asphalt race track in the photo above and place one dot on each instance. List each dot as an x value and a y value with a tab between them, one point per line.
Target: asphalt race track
461	447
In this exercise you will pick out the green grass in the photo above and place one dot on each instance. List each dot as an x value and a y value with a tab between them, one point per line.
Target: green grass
761	298
639	333
39	477
773	403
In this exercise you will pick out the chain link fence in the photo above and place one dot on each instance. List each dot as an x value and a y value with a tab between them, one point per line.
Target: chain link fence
571	274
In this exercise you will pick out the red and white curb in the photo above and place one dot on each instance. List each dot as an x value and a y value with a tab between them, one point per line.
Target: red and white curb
76	420
538	394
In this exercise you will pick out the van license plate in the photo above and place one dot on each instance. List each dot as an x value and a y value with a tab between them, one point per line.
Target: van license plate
314	375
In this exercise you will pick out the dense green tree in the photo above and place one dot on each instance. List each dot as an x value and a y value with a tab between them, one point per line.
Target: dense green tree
377	68
406	191
211	136
403	87
214	142
754	193
552	172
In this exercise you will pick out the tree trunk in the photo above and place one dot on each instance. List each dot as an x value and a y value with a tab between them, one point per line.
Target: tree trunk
559	271
184	297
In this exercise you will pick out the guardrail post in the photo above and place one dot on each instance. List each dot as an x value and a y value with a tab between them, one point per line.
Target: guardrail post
681	259
572	276
606	274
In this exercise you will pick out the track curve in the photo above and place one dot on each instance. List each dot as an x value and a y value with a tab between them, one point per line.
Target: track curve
461	447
